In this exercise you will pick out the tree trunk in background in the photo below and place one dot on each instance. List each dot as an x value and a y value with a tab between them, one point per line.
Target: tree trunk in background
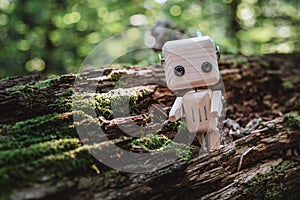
234	24
41	156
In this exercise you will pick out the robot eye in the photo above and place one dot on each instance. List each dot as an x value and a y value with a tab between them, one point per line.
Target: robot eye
206	67
179	70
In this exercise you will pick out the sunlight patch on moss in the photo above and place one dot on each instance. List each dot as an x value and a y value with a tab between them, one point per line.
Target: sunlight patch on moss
35	151
115	103
160	142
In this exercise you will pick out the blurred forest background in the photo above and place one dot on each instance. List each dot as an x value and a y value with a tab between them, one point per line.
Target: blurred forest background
55	36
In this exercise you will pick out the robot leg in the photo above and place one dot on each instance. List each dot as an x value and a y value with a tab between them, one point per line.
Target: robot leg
201	139
213	135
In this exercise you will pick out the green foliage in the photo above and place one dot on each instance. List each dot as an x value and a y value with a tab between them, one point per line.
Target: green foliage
56	36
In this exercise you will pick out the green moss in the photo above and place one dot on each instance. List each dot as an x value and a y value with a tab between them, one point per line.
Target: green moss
38	123
25	91
267	103
63	103
115	103
178	126
49	145
49	123
292	121
126	100
183	151
42	84
270	185
115	75
50	160
4	79
160	142
35	151
14	88
152	142
31	92
287	85
61	164
41	129
22	141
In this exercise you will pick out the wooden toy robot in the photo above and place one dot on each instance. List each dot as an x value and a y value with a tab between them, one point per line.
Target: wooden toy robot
193	64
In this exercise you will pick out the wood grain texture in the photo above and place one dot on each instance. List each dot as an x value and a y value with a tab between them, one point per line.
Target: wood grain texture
191	54
176	111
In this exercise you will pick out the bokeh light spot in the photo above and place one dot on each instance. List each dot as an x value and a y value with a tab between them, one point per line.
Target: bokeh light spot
3	19
138	19
245	14
55	38
35	64
23	45
93	38
175	10
4	4
102	11
71	18
161	1
284	32
149	40
284	48
227	1
82	25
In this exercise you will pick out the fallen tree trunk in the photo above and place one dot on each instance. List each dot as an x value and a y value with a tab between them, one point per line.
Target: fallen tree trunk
260	165
40	148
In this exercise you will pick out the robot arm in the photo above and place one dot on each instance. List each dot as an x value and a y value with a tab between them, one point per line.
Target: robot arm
216	104
176	110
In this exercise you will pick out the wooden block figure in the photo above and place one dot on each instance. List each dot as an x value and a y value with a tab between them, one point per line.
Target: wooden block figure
193	64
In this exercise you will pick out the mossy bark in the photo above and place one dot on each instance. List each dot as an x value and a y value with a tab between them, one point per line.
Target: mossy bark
42	157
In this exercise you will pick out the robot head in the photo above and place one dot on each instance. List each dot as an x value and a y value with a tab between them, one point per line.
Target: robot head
191	63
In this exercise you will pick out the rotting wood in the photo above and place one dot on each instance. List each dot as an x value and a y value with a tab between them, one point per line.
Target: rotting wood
254	88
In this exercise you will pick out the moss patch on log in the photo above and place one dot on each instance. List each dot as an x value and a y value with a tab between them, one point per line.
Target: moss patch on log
160	142
47	146
41	148
113	104
38	129
269	186
292	121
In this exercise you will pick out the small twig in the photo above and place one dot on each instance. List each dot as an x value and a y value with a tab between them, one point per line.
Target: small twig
242	158
260	130
160	110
